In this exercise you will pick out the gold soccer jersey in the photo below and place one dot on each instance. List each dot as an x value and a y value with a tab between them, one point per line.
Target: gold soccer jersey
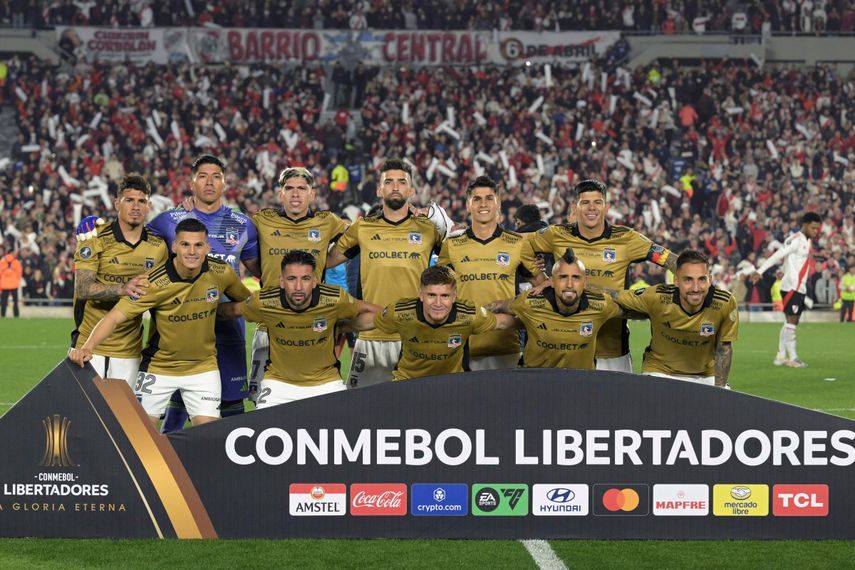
556	340
607	259
486	272
302	343
279	234
683	343
392	256
429	350
114	261
181	334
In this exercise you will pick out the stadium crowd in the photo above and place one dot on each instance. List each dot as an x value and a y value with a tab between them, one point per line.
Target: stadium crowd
646	16
725	157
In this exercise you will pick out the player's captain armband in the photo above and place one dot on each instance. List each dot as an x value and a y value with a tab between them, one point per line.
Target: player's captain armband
88	227
440	218
658	254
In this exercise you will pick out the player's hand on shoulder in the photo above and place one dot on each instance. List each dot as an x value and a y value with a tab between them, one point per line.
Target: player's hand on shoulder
88	227
538	290
188	203
137	286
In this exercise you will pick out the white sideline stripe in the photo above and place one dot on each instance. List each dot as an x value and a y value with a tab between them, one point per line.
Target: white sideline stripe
543	555
835	409
7	403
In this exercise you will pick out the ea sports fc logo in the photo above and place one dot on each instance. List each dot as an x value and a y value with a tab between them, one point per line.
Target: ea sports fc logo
56	442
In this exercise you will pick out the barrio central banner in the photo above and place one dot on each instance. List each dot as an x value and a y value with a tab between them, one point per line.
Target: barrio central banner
372	47
528	454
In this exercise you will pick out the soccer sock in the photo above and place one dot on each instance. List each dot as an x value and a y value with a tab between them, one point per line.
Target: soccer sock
176	414
790	341
782	336
230	408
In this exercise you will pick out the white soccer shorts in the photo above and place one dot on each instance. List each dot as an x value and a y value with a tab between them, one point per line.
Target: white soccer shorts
274	392
373	362
708	380
200	392
260	356
619	364
114	367
498	362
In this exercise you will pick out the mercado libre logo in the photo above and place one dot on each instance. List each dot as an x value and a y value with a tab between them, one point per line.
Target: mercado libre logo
56	442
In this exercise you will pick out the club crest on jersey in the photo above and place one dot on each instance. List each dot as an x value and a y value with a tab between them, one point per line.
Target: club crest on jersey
503	259
85	252
320	325
232	236
314	234
415	238
149	262
454	340
707	329
586	329
609	255
212	295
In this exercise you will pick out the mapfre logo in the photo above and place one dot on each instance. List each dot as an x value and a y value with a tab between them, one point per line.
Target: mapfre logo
56	442
378	499
800	500
681	500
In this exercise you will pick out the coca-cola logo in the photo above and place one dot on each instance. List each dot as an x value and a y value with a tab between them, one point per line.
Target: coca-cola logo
390	499
373	499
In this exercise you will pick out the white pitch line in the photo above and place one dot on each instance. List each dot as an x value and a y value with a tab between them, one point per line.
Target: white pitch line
543	555
835	409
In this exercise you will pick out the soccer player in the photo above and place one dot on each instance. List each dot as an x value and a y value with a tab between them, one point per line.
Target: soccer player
796	257
486	259
563	320
183	295
303	318
110	265
394	248
435	327
692	324
292	227
233	239
607	251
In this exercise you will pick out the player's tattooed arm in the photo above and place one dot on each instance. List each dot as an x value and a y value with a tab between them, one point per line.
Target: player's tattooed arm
253	266
229	311
86	286
723	359
671	263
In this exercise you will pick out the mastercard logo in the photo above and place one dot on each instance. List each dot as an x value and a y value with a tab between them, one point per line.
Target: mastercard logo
626	500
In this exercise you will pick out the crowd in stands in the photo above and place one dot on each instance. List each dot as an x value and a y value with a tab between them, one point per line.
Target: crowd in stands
724	158
645	16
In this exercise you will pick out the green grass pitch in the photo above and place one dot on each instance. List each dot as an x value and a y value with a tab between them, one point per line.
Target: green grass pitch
29	348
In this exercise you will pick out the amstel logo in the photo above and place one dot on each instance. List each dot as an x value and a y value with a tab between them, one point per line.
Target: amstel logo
56	442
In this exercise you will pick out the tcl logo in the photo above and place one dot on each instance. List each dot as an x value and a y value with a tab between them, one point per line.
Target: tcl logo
800	500
378	499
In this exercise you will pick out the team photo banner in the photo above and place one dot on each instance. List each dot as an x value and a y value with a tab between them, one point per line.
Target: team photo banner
520	454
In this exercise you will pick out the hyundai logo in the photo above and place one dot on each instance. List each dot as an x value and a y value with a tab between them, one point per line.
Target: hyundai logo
560	495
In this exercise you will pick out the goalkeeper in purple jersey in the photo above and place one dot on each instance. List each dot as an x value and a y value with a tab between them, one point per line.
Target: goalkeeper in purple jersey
233	239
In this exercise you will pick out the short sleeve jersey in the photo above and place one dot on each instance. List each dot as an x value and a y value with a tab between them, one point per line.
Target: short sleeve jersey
181	334
392	256
607	259
427	349
278	234
114	261
302	343
682	343
486	272
557	340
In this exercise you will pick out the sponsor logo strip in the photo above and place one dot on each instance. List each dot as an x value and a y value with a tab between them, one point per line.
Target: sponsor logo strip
621	499
500	499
